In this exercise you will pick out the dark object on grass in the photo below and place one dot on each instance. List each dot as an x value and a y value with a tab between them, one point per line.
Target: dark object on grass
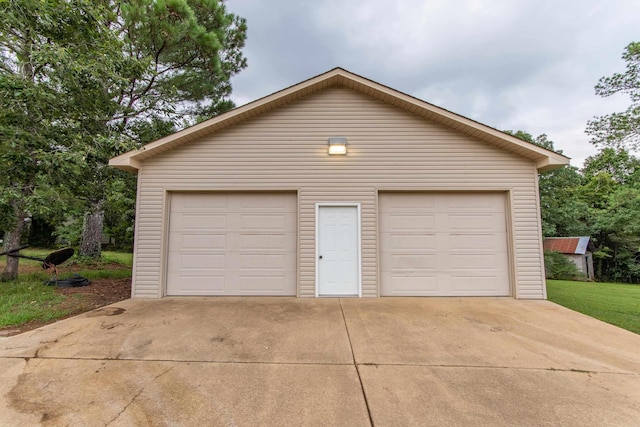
73	282
53	259
50	262
57	258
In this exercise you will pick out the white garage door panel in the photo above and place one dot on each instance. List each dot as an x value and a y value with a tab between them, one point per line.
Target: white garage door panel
193	263
264	241
198	222
232	244
198	241
414	286
443	244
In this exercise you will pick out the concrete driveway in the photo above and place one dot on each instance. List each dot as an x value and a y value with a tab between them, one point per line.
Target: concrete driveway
352	362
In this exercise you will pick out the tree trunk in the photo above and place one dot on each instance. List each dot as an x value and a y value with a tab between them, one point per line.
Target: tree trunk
12	241
90	244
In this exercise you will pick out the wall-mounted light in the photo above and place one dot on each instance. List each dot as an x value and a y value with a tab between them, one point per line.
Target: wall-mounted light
337	146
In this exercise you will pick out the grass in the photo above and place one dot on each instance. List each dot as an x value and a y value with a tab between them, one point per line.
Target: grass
615	303
29	299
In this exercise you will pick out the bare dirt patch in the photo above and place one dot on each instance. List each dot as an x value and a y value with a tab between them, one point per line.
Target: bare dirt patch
98	293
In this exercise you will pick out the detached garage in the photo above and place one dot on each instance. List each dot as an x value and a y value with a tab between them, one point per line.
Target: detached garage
338	186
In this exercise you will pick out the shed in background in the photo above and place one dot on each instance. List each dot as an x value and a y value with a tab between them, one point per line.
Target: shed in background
574	248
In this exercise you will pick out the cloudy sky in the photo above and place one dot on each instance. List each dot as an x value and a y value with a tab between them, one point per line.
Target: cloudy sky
510	64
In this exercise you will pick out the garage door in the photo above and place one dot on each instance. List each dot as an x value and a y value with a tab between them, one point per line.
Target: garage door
232	244
452	244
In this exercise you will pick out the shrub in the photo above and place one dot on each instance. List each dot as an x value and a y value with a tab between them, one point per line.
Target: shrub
559	267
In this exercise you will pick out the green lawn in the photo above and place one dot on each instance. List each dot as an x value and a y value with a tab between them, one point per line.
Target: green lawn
615	303
29	299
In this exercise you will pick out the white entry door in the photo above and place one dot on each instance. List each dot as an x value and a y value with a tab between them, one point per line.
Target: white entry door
338	251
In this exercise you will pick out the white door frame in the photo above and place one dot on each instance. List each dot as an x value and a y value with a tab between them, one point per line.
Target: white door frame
359	243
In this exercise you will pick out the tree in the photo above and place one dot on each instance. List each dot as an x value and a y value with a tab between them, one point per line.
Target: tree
618	163
181	55
561	209
612	187
614	226
120	203
620	129
602	201
49	51
611	192
80	79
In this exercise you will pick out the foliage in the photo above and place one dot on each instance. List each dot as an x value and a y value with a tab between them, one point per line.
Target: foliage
601	201
41	233
82	81
562	211
612	178
558	266
120	190
179	58
120	210
620	129
70	231
613	303
56	59
611	193
616	234
623	167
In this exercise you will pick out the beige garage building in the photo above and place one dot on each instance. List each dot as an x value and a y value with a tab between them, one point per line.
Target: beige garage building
338	186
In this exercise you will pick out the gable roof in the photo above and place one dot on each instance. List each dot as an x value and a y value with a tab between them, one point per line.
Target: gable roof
544	159
567	245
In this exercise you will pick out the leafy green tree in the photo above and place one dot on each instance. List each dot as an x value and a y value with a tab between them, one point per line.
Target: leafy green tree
612	194
562	211
620	129
617	162
615	225
120	203
80	80
602	201
612	187
56	58
181	55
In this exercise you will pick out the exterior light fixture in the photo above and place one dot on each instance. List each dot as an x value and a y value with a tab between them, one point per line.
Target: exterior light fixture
337	146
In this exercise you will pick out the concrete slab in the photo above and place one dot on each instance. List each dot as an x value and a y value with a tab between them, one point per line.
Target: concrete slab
287	330
284	361
486	332
125	393
460	396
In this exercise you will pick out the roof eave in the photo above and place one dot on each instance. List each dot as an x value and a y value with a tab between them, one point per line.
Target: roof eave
545	160
125	162
550	163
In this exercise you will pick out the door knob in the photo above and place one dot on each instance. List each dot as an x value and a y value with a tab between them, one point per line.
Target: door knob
320	257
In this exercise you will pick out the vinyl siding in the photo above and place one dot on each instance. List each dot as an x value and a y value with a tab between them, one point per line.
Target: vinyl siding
388	149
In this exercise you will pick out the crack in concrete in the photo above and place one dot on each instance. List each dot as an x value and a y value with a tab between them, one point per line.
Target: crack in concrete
134	398
353	355
240	362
